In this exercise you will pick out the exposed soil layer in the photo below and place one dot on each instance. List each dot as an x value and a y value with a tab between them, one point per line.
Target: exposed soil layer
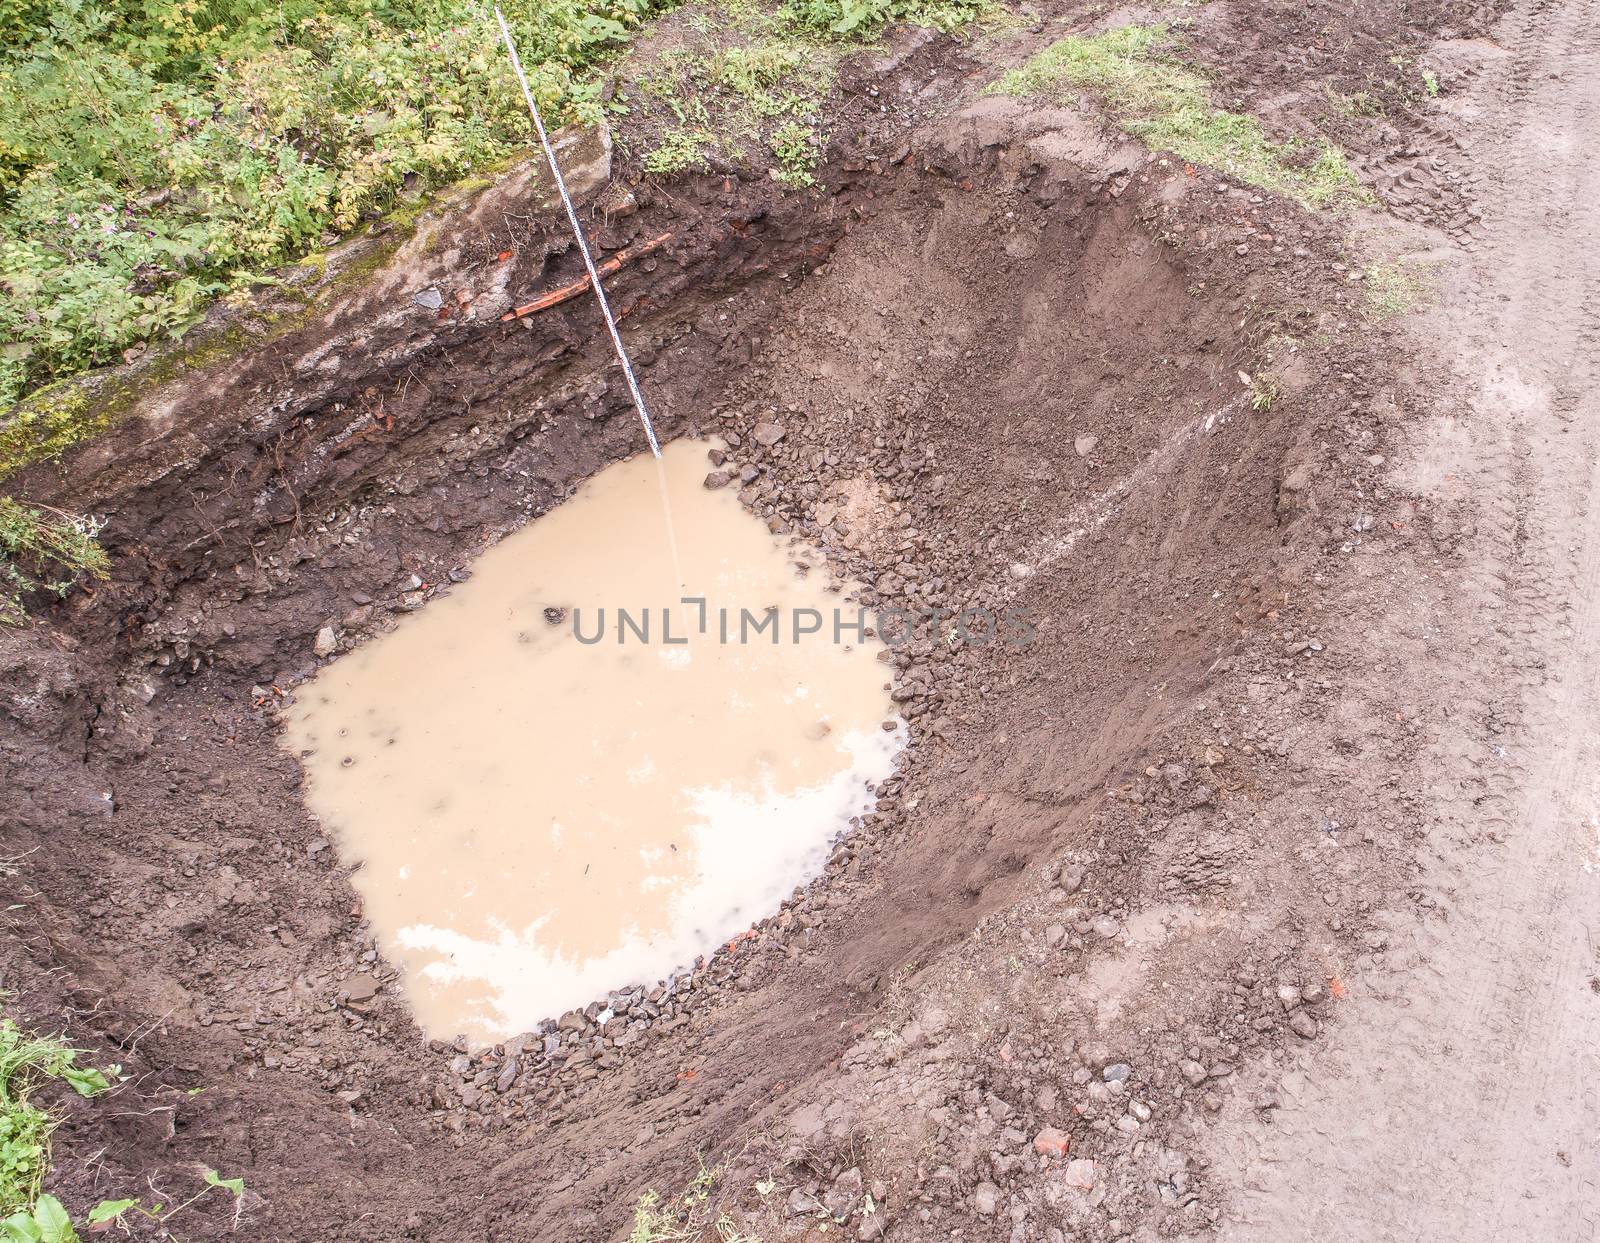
1006	359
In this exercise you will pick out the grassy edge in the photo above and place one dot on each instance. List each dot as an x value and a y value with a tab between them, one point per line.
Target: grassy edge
1167	105
30	1215
28	1063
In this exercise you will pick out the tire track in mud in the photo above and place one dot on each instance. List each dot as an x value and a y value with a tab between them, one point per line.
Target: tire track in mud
1457	1100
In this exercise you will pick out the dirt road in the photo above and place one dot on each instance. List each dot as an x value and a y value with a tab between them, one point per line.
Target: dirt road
1460	1097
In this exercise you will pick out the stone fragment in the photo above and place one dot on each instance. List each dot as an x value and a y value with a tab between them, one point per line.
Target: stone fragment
1080	1174
361	987
841	1199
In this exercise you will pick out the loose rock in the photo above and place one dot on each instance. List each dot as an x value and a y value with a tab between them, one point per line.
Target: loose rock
1080	1174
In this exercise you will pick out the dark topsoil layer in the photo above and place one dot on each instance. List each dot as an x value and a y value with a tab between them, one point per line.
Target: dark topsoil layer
1005	348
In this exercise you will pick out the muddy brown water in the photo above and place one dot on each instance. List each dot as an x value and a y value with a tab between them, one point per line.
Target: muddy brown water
557	783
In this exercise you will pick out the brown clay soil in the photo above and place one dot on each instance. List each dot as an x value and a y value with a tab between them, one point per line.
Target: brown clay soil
1266	878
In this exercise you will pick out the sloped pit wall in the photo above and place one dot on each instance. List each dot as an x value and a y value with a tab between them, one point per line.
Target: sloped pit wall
998	387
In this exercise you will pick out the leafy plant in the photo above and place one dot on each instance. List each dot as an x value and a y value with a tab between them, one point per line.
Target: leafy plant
108	1211
26	1063
679	149
44	550
1264	392
798	150
49	1222
856	18
158	153
687	1217
1168	106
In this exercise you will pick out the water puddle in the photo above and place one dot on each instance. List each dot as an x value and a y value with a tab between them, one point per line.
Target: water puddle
551	800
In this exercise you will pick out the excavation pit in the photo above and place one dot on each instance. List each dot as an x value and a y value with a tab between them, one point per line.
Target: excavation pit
579	771
999	391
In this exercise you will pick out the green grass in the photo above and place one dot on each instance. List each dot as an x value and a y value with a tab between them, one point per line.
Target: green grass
154	156
1393	287
690	1216
1168	106
862	18
745	80
43	551
26	1064
159	155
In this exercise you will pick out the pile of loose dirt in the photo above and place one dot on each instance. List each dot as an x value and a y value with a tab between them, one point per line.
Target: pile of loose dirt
1007	361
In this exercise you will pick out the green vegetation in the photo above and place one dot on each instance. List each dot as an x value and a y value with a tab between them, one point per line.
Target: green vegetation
691	1216
858	18
1264	392
799	151
744	83
57	418
120	1211
745	79
1393	287
26	1064
43	550
678	150
47	1220
1167	105
155	155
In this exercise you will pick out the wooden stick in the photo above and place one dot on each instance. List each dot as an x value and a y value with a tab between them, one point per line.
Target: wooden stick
557	296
